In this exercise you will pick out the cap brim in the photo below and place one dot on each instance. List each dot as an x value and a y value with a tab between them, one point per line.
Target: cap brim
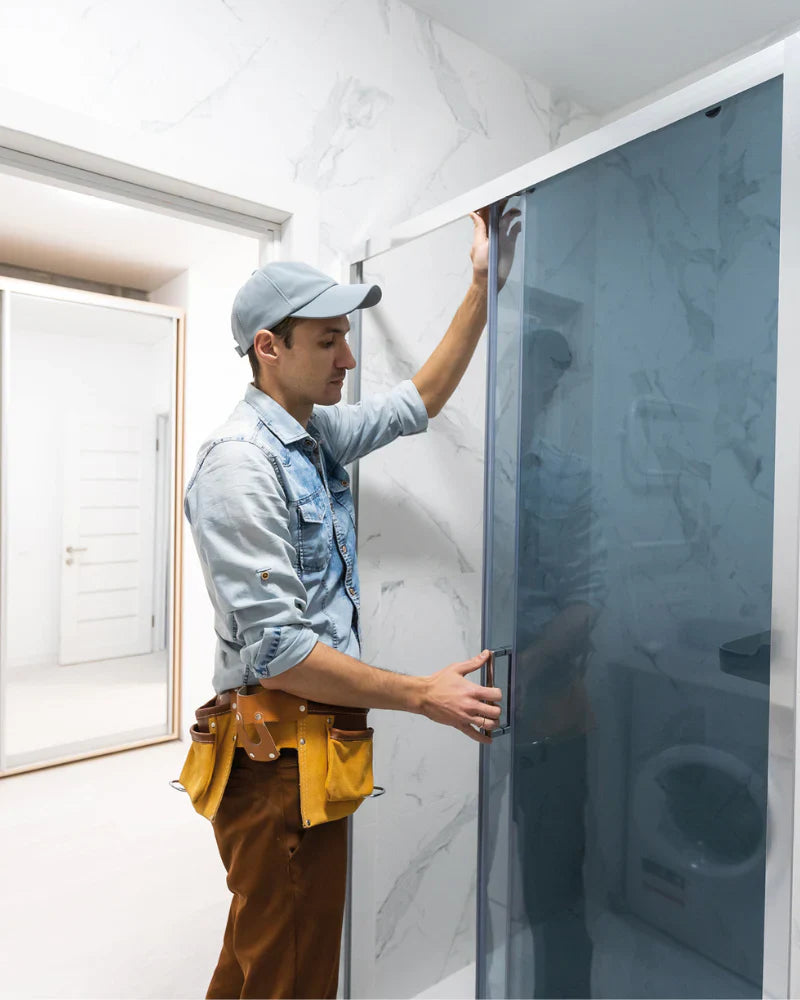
340	300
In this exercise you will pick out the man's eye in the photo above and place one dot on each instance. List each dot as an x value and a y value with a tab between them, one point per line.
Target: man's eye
329	343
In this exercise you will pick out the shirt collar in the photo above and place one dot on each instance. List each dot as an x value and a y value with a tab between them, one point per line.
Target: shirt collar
282	424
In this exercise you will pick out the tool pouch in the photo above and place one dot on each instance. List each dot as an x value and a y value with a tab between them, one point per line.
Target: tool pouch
349	764
208	763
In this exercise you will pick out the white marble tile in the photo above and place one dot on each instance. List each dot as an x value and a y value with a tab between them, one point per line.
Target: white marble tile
425	827
420	545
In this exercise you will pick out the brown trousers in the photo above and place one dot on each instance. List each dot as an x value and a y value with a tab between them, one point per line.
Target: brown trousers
285	922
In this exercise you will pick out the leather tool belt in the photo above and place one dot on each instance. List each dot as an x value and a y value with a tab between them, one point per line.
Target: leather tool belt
333	744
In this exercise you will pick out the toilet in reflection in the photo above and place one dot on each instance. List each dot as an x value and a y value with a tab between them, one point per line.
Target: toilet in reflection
697	824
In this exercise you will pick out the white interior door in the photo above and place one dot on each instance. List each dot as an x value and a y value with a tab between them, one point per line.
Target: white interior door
108	539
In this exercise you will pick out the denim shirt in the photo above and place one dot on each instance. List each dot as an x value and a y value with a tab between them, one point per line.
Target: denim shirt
273	520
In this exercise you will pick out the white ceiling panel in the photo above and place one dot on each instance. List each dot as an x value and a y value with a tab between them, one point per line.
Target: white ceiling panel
51	229
610	53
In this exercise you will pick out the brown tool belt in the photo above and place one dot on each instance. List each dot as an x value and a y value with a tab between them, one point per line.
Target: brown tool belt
257	709
333	744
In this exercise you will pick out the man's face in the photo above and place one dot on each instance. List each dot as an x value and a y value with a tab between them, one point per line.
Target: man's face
313	369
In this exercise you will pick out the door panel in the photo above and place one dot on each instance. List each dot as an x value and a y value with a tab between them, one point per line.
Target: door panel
631	819
107	572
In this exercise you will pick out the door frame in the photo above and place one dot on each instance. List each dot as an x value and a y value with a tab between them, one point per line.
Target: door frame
8	287
782	898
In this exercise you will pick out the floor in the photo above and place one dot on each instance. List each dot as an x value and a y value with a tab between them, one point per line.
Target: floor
457	986
631	955
52	711
112	884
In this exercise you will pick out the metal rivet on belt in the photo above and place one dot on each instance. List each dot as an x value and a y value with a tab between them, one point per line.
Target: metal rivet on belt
272	755
253	756
233	706
258	716
308	822
302	708
238	717
302	742
329	720
213	725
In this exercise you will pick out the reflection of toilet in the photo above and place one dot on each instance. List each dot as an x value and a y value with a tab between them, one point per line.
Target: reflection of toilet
696	844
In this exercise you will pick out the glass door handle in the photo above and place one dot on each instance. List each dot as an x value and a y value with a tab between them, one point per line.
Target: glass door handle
504	726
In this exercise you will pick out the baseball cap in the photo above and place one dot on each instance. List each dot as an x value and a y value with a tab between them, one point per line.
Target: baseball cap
289	288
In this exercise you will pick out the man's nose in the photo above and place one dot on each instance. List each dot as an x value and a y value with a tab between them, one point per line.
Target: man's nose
346	359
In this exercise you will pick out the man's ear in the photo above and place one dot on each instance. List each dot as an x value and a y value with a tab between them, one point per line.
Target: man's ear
264	344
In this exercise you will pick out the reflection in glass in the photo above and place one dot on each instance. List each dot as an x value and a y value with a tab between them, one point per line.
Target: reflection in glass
88	460
561	589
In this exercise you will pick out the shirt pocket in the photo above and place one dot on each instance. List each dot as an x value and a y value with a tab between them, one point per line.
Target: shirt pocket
343	497
315	533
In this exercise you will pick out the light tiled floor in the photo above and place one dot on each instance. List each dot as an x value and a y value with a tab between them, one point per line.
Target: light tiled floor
112	884
458	985
629	953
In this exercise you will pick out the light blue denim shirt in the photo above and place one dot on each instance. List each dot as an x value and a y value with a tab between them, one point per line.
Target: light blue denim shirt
273	521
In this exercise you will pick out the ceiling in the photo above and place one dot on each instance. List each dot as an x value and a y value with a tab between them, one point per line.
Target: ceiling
64	232
607	54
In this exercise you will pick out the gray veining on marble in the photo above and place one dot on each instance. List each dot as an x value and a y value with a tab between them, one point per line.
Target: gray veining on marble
449	83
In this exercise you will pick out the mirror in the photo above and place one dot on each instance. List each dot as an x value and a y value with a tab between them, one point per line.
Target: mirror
91	430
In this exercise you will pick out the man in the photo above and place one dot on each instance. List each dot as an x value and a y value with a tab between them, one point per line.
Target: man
272	518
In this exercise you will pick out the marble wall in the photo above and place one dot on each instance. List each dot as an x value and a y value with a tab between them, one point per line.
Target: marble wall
421	552
372	104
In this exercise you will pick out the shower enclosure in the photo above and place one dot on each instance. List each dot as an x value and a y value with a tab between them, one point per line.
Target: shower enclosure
636	812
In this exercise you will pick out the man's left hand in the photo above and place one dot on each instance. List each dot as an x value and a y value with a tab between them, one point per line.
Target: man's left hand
509	229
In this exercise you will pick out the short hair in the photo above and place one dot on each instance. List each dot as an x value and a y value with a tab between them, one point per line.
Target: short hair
283	331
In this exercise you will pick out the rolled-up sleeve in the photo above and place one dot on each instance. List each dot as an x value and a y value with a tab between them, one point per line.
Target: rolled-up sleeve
240	524
352	430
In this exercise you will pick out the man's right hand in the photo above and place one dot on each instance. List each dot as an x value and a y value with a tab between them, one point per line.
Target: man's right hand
449	698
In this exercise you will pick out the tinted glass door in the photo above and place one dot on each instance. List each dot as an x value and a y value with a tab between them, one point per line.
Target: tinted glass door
629	569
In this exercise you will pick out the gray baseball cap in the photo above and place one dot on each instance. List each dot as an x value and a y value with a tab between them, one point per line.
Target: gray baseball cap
276	291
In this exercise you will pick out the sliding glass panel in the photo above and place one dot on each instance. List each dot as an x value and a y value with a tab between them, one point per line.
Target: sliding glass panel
502	432
638	777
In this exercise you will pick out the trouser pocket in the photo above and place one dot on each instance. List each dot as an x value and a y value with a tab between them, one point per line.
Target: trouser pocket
349	764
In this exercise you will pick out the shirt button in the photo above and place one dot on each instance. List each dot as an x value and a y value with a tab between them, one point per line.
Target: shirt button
265	575
344	482
344	548
352	591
